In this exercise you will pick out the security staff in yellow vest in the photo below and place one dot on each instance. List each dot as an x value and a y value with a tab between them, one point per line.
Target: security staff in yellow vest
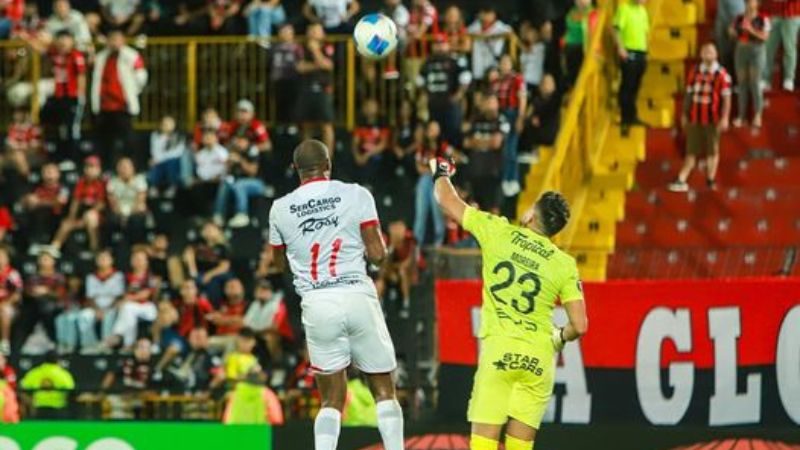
50	386
631	31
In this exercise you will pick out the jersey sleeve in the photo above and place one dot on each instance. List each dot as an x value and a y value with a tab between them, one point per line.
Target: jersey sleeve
275	237
571	289
368	216
481	224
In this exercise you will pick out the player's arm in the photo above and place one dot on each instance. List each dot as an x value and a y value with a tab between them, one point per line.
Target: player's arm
373	242
276	251
578	322
571	295
444	192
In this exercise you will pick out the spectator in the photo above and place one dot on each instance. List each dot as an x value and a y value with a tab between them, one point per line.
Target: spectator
9	406
632	29
118	78
7	373
229	319
104	287
491	41
223	16
706	111
246	125
87	207
456	31
29	24
156	17
444	79
6	223
207	261
10	295
137	304
283	73
42	300
543	116
134	372
242	182
195	371
395	10
50	386
577	37
486	135
399	269
10	13
315	103
191	17
166	337
24	149
170	163
160	260
552	53
66	321
751	30
64	110
727	11
67	21
430	146
423	21
123	15
370	140
513	100
209	121
334	15
785	18
45	205
262	16
127	201
192	309
268	317
211	164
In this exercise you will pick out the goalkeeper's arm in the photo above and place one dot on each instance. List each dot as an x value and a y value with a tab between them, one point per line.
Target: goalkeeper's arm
577	326
444	192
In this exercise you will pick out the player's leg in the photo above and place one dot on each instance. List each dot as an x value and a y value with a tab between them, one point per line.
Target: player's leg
491	395
373	353
519	436
485	436
333	390
390	415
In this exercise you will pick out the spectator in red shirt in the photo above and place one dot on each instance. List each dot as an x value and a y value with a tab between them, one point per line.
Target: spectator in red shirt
455	29
370	140
117	80
192	309
64	110
750	30
785	18
24	148
210	120
45	205
10	295
230	317
86	209
43	298
137	304
245	124
513	98
706	111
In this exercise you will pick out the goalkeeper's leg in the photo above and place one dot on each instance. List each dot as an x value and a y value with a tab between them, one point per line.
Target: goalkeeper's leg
485	436
519	436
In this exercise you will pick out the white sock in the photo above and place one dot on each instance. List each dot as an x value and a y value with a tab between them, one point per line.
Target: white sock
326	429
390	424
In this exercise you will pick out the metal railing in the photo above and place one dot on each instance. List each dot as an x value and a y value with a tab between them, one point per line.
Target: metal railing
583	127
189	73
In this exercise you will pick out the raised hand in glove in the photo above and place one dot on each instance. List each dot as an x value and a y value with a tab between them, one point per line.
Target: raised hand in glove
442	167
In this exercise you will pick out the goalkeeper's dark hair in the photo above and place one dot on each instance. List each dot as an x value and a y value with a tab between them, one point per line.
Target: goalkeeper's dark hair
553	212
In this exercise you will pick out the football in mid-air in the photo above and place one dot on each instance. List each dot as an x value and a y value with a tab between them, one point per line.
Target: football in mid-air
375	36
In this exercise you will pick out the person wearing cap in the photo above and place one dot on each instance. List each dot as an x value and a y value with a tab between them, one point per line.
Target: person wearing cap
118	78
245	124
87	207
269	318
445	78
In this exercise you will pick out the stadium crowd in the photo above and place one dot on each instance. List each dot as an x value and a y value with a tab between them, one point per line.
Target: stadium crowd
151	246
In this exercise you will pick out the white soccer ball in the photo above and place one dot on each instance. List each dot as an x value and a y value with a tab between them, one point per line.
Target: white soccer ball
375	36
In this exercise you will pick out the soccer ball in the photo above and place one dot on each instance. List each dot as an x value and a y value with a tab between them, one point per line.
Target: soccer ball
375	36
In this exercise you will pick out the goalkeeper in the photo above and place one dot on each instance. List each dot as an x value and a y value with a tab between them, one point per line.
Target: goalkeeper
523	275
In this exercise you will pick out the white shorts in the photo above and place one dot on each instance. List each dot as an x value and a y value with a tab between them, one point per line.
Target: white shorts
347	327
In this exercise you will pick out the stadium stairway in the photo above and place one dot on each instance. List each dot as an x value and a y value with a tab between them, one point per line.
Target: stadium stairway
750	226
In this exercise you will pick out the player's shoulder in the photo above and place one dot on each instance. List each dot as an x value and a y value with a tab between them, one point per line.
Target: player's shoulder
564	260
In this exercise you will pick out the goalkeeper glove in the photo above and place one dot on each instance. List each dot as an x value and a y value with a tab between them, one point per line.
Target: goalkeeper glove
442	167
558	339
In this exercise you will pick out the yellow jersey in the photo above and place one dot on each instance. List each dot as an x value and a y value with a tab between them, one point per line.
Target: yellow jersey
524	274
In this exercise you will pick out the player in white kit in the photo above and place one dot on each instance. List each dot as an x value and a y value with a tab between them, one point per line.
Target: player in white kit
326	228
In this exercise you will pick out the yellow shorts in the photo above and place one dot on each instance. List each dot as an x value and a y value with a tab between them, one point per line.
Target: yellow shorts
514	379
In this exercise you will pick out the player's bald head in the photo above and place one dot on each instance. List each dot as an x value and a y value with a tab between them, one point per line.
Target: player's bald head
311	158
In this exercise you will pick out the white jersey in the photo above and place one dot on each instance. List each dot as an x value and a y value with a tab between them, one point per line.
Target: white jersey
320	224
